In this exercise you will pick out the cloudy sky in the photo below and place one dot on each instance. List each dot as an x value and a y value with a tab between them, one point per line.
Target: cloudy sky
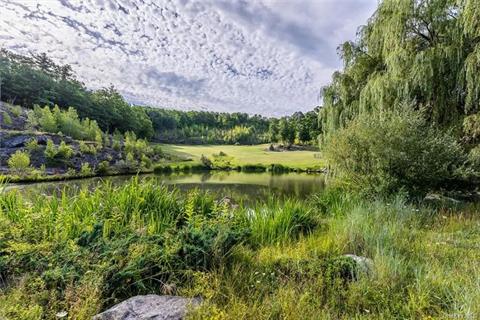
258	56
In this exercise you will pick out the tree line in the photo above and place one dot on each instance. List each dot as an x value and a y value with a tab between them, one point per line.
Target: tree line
38	80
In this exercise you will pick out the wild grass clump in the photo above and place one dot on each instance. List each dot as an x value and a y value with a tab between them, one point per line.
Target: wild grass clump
278	221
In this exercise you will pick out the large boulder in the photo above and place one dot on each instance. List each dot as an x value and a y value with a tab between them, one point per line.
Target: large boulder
151	307
364	265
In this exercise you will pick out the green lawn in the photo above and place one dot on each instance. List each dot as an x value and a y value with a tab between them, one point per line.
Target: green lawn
257	154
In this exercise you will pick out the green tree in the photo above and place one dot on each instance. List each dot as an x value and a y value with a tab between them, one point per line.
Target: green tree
287	131
273	131
421	51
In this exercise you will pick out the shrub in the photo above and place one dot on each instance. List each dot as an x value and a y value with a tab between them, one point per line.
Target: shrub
19	161
16	110
7	120
87	149
50	150
56	120
146	162
253	168
85	170
393	150
278	168
103	167
32	145
64	151
206	162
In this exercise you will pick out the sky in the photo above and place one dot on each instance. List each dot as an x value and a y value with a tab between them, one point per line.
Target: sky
268	57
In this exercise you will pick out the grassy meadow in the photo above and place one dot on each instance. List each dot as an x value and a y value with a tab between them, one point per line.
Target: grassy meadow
248	154
273	260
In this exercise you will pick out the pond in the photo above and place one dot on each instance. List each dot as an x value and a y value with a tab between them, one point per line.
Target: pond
249	187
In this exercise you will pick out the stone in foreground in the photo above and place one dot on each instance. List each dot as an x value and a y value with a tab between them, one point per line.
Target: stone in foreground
151	307
364	265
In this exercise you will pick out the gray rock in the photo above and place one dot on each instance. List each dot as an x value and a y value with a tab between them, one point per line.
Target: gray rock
364	265
15	141
440	199
151	307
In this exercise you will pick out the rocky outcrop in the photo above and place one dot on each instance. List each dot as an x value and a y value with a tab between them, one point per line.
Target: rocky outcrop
152	307
364	265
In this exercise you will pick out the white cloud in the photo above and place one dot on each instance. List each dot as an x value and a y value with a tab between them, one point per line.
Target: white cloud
268	57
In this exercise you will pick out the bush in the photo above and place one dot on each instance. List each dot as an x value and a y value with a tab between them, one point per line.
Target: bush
7	120
87	149
253	168
103	167
19	161
85	170
50	150
16	110
65	151
394	150
56	120
32	145
206	162
146	162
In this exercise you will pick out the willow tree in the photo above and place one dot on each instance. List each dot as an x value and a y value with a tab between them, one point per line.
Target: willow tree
425	53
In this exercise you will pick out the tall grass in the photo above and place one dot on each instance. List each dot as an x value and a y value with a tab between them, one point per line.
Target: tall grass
278	221
84	251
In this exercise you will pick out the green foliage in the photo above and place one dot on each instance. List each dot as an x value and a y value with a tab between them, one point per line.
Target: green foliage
16	110
50	150
56	85
287	131
397	149
66	122
103	167
206	162
145	162
421	51
87	148
64	151
6	119
85	169
253	168
136	147
32	145
276	221
19	161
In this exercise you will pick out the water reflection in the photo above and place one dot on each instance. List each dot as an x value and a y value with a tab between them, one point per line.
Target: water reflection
238	185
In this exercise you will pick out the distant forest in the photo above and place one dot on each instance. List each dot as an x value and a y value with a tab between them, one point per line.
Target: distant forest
38	80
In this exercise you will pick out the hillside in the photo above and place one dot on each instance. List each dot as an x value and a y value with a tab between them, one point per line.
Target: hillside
28	152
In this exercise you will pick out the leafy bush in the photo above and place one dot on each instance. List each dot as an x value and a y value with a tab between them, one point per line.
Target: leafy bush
32	145
19	161
86	170
16	110
56	120
7	120
253	168
206	162
393	150
103	167
50	150
145	162
64	151
87	149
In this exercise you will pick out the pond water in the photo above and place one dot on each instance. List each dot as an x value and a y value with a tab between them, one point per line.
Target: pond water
248	187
